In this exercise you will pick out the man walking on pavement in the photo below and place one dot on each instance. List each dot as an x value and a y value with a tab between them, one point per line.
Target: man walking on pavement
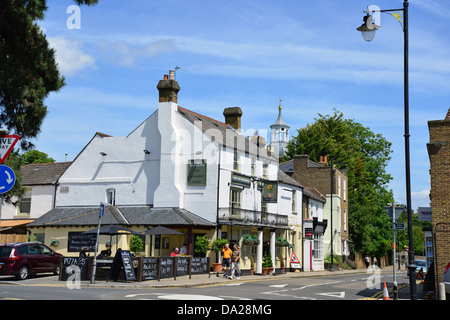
235	262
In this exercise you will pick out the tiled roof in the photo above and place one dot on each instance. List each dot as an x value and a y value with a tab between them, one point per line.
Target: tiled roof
224	134
43	173
124	215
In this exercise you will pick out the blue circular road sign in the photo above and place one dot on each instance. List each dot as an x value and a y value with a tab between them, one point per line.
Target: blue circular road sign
7	178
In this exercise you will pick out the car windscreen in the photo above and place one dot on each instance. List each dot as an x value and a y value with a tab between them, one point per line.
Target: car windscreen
5	251
420	263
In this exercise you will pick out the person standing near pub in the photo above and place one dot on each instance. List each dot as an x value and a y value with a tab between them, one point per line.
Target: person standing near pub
226	258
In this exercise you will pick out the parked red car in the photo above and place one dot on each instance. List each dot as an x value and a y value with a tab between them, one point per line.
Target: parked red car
25	258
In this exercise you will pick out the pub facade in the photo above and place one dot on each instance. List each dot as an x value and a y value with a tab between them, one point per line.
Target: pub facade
184	171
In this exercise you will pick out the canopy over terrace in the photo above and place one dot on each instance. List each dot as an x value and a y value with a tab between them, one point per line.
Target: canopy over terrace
136	217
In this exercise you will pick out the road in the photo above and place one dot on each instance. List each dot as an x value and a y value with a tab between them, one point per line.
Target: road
333	287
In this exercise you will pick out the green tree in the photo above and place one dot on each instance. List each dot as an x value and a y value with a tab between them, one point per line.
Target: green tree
28	70
35	156
365	155
136	244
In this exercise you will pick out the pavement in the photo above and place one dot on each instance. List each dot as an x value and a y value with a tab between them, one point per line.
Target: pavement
195	281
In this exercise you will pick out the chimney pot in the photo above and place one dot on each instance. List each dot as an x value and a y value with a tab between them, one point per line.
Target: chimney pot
172	74
168	88
233	117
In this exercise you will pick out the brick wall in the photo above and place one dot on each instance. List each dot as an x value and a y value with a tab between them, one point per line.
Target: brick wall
439	154
319	177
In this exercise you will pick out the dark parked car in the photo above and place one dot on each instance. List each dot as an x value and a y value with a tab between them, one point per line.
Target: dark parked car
25	258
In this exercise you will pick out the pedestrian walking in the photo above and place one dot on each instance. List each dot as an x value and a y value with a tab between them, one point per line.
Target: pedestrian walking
235	262
367	261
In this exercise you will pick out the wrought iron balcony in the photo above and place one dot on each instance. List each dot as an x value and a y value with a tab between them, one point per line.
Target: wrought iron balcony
238	216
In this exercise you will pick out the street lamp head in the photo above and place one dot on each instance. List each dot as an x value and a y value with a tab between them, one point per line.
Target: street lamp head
368	28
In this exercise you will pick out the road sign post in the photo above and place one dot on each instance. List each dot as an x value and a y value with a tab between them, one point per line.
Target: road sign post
7	176
7	179
394	213
7	143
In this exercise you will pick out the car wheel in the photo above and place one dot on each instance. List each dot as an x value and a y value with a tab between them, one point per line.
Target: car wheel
23	273
57	270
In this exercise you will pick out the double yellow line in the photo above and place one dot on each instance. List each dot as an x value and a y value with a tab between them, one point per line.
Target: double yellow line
379	294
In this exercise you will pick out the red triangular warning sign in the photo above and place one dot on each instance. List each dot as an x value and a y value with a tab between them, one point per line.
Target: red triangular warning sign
7	143
294	258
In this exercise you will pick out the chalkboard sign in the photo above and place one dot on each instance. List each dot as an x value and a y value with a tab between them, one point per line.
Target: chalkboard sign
167	267
78	240
150	268
123	260
74	268
182	266
199	265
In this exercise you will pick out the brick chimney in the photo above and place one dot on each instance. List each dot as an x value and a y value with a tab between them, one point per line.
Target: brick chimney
168	88
233	117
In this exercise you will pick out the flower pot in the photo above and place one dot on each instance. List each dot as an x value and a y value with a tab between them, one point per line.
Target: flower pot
217	267
252	271
282	270
267	271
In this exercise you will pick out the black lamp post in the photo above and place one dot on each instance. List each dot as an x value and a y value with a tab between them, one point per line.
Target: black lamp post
368	29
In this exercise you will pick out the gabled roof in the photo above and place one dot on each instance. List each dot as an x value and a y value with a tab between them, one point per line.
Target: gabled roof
224	134
284	178
43	173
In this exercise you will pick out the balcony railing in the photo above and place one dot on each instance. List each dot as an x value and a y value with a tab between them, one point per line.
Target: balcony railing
240	216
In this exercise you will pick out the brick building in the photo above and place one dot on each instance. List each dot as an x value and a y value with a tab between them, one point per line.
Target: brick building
439	154
318	175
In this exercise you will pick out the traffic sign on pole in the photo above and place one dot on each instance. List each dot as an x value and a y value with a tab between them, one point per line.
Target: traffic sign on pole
399	226
7	143
7	178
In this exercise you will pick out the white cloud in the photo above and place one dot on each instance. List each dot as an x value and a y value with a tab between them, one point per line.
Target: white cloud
434	6
420	198
70	56
128	54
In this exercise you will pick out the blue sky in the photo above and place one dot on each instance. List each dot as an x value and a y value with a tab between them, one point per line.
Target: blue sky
249	54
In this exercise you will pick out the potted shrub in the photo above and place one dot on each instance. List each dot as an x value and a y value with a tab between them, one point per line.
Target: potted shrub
136	244
217	246
267	265
202	245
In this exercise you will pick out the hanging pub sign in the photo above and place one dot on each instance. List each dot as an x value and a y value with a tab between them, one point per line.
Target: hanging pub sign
196	173
240	180
308	229
270	191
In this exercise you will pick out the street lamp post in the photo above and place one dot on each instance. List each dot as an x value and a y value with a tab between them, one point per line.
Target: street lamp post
368	29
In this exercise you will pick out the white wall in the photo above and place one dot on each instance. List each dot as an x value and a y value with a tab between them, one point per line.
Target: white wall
126	168
42	199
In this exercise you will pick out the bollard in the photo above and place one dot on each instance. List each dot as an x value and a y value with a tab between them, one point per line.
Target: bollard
442	291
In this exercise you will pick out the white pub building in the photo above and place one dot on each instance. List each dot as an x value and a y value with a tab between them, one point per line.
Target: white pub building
184	171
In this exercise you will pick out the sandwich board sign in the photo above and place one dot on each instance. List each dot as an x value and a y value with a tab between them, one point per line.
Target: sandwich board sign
295	263
7	143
